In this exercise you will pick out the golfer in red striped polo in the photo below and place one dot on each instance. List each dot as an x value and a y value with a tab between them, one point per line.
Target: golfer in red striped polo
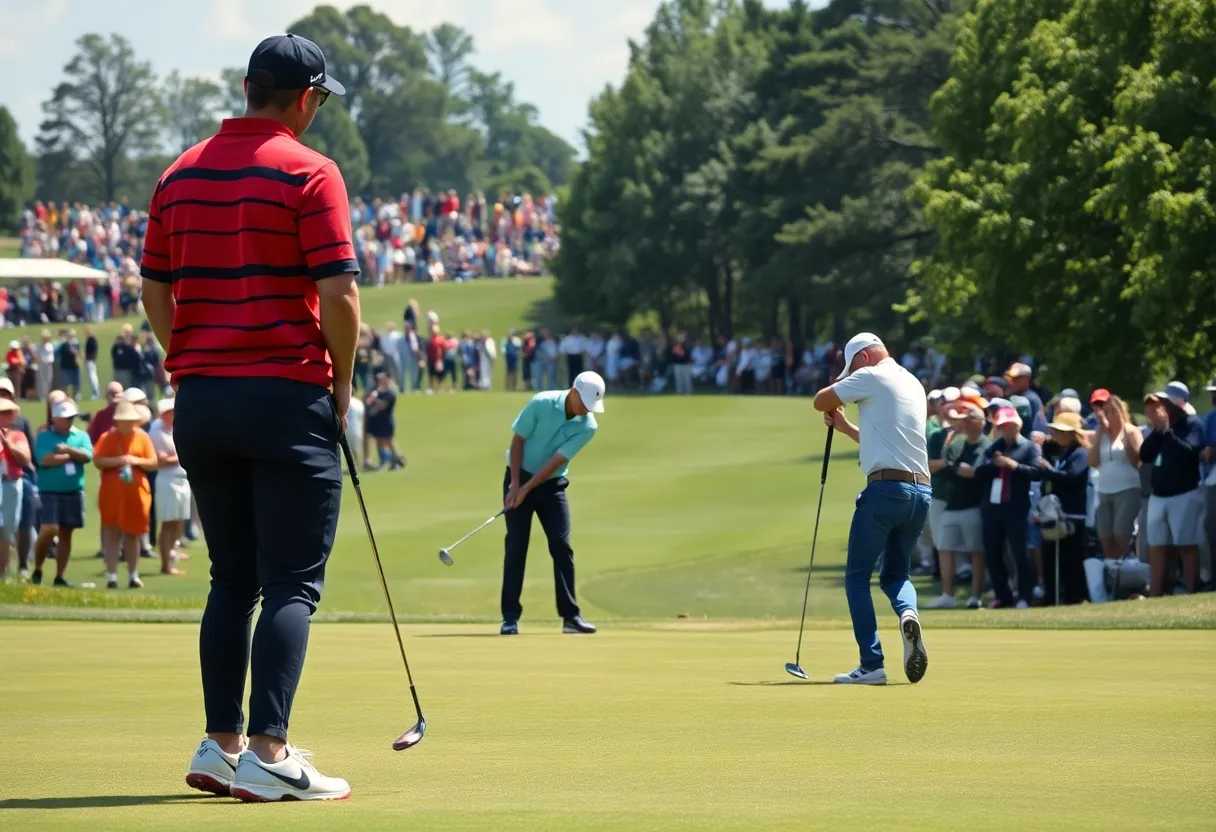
248	275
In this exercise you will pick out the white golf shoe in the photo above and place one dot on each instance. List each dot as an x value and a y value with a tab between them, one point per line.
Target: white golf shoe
211	769
862	677
292	778
916	660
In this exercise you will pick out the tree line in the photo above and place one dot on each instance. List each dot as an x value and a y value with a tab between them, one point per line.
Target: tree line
417	113
994	177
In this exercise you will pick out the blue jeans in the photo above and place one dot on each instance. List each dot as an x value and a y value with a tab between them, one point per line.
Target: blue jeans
887	523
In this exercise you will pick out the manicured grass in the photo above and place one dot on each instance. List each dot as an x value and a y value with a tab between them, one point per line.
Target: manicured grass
10	247
631	730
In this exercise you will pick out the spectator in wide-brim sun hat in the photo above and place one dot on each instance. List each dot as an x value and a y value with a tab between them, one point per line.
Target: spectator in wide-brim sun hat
1067	476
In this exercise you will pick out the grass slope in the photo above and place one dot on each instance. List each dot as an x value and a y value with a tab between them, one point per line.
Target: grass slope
631	729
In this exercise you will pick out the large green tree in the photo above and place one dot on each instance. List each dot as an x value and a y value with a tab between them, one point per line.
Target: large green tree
16	173
105	111
191	108
1075	205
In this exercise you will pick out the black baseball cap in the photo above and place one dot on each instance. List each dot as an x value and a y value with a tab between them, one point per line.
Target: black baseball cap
290	62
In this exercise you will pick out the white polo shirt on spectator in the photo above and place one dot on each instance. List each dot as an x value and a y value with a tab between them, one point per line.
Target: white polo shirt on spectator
893	412
573	345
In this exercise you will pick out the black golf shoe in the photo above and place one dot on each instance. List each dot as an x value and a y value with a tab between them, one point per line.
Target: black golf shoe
63	582
577	625
36	577
508	628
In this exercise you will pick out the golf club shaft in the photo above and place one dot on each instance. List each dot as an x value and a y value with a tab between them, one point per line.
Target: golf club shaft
475	531
367	524
806	593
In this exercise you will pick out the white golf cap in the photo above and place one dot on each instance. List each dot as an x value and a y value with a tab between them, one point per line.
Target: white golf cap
65	410
590	387
6	385
164	406
951	394
134	395
857	343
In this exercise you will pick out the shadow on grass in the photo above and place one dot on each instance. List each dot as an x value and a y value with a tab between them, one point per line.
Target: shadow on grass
770	683
100	801
461	635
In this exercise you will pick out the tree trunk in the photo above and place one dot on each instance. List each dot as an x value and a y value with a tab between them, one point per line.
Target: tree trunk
728	302
793	307
712	295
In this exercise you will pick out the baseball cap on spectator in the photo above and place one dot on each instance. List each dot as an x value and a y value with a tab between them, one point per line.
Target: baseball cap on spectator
951	394
1179	392
1007	416
859	342
14	345
6	386
1018	370
1022	405
995	387
1099	396
935	395
164	406
134	395
1068	393
1068	404
999	403
1171	404
966	410
1068	422
65	409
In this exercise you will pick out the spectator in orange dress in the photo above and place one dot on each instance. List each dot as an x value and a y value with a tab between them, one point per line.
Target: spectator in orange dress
125	455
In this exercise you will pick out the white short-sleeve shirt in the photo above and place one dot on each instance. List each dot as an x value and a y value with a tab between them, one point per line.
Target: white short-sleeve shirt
893	412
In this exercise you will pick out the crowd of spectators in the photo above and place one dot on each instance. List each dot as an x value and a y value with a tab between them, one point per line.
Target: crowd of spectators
432	237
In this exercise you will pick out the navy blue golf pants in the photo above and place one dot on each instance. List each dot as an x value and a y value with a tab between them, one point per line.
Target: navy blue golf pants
548	502
261	455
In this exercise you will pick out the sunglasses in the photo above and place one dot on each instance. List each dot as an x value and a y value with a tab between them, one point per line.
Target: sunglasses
322	96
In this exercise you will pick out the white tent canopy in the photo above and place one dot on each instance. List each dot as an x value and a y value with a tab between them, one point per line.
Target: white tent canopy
46	268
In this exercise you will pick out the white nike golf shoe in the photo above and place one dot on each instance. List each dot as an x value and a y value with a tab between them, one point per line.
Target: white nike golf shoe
211	769
292	778
862	677
916	659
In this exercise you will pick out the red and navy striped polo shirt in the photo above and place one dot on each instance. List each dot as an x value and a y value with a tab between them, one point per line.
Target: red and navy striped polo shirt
242	225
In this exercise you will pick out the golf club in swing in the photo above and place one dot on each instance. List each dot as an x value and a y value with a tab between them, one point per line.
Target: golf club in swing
794	668
414	735
445	555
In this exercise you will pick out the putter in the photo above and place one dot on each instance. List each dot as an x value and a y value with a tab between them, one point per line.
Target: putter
445	555
794	668
414	735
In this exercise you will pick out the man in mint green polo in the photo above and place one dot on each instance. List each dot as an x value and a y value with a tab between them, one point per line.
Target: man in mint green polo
61	452
548	433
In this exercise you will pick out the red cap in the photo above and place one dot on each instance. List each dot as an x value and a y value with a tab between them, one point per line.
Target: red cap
1007	416
1099	395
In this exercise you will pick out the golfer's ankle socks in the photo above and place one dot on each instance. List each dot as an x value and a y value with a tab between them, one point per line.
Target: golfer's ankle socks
112	577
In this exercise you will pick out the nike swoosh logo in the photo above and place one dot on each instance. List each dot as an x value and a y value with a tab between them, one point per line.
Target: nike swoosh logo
302	782
225	759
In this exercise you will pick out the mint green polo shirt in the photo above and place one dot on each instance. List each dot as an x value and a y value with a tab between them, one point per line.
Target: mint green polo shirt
62	479
546	431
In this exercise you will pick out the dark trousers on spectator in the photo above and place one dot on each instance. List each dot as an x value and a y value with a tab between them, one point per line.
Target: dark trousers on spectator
548	503
263	460
1006	524
574	366
1073	588
152	511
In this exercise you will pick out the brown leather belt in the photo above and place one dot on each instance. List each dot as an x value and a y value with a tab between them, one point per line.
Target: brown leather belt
893	475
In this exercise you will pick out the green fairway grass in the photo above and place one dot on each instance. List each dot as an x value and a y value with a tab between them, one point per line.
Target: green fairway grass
10	247
633	729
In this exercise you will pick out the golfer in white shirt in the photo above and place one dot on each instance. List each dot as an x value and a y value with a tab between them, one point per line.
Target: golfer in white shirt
892	508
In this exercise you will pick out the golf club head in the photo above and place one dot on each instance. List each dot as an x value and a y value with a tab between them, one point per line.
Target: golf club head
795	671
411	737
445	556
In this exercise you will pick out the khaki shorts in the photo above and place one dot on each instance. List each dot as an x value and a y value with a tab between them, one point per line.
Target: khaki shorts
933	528
1177	520
961	531
1117	513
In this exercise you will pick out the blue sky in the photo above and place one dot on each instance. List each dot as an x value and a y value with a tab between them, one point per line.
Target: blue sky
559	53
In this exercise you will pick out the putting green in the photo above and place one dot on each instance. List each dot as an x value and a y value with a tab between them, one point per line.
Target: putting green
635	728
